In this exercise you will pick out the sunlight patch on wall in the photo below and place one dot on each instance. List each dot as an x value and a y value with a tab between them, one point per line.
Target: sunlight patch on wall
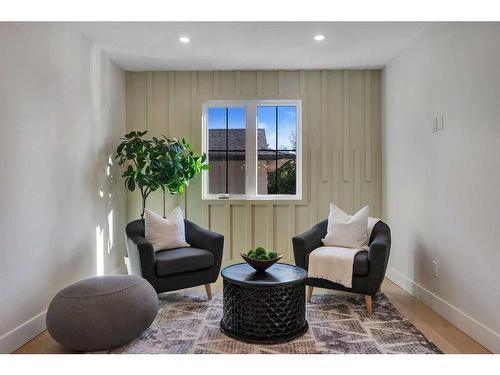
110	231
99	248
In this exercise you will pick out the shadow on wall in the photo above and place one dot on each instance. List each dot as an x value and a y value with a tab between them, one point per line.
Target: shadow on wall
109	231
108	190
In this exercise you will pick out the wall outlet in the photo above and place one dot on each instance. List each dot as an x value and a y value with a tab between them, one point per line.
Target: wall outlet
435	269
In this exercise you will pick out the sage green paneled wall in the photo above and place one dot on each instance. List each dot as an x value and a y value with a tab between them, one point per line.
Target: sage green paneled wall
341	146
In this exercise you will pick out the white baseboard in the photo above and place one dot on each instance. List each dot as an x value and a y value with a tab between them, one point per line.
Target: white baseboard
21	335
25	332
478	331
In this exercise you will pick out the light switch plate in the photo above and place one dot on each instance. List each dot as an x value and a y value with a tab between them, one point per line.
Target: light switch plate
438	123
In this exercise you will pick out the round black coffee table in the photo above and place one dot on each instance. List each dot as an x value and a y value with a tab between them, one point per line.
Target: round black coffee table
264	307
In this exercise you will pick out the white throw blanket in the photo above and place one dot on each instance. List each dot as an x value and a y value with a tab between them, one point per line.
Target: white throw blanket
333	263
336	263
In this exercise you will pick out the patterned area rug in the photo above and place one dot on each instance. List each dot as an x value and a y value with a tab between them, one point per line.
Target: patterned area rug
337	324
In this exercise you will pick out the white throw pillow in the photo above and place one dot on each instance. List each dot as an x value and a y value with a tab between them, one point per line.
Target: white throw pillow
371	224
165	233
347	231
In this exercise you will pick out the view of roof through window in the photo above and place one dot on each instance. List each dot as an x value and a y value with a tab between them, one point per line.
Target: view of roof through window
276	150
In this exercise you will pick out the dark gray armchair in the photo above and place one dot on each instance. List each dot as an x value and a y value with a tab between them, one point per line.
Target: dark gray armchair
369	266
180	268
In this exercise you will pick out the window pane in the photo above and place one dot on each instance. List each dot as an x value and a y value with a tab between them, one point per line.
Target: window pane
227	144
235	175
237	127
266	169
217	173
286	175
276	145
277	175
276	170
287	128
236	172
217	128
266	120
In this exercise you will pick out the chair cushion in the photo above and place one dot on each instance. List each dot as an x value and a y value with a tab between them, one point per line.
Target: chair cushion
184	259
360	267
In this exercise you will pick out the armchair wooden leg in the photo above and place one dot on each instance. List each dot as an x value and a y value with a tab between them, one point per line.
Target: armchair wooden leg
209	291
368	302
309	293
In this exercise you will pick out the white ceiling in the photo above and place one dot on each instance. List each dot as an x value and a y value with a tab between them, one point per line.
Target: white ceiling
251	45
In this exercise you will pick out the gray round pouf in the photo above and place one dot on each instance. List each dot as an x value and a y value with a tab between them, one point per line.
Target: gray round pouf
102	312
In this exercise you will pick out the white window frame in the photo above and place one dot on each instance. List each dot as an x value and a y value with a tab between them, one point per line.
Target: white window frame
251	149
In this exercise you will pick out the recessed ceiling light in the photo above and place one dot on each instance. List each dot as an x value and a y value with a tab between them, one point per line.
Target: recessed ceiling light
319	37
184	39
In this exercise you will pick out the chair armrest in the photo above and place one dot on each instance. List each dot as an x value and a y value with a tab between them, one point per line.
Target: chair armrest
201	238
308	241
146	255
378	253
380	243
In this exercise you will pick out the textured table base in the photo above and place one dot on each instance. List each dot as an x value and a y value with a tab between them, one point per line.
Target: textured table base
264	314
279	340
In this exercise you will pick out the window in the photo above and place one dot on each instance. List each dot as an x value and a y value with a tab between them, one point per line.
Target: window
253	150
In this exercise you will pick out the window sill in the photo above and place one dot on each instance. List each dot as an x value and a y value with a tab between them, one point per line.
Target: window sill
277	199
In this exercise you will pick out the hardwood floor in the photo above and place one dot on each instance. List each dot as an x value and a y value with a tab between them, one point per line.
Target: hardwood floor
445	335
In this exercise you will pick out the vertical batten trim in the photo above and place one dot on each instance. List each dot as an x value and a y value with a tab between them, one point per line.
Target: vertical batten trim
171	93
281	82
216	83
194	96
186	203
357	180
324	126
237	82
249	227
149	100
128	98
259	82
302	82
270	226
346	136
368	126
194	83
339	181
205	214
228	231
209	212
291	230
310	143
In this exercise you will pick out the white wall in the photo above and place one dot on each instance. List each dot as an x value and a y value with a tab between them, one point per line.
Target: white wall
442	190
62	110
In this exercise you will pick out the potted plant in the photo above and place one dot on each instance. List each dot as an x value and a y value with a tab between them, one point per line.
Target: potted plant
176	165
152	164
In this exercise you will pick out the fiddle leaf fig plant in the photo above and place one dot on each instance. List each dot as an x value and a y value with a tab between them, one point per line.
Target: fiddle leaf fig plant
158	163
